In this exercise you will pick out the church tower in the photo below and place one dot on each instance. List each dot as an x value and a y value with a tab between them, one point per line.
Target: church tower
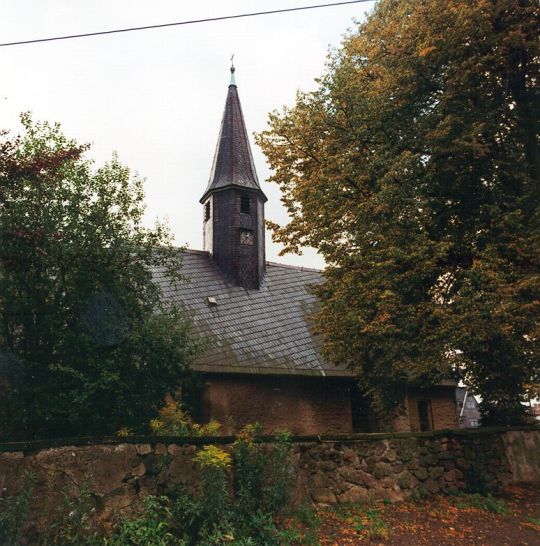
233	202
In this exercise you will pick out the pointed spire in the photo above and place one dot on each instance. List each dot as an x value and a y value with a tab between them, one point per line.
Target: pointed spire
233	163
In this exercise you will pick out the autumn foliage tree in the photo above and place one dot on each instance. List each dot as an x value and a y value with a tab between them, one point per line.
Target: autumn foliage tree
413	169
89	343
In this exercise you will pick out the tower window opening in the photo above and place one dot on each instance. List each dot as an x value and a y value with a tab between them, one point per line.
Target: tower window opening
245	204
207	211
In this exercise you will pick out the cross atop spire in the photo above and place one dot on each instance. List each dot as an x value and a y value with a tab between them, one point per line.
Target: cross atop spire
233	81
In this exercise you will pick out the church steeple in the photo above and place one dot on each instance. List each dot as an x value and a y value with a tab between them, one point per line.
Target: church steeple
233	201
233	164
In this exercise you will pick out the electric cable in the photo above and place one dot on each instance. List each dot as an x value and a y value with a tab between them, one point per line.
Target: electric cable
179	23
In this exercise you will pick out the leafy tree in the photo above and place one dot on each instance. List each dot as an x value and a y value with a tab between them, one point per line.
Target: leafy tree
413	169
81	318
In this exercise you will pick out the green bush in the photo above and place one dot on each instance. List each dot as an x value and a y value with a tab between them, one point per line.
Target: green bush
263	475
152	528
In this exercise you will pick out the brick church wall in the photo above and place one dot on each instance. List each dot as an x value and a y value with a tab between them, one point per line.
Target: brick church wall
303	405
443	407
308	405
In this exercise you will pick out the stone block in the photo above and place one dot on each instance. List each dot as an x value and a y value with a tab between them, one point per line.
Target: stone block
160	449
381	470
406	480
356	477
319	480
448	465
355	494
327	466
139	470
421	474
148	486
436	472
350	455
462	464
323	495
432	486
429	459
143	449
453	475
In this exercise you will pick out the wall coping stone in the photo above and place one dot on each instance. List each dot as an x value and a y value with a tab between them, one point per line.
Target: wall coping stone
30	446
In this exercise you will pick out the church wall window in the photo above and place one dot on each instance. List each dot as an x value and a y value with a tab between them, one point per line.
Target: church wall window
207	211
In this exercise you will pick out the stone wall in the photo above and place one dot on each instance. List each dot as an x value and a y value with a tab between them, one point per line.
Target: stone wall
416	465
329	469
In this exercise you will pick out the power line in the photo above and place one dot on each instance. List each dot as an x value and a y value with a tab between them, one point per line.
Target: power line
179	23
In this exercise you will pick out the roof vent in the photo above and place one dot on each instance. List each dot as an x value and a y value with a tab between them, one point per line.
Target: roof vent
212	300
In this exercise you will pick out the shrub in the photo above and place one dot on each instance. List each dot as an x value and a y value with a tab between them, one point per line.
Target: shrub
262	482
152	527
263	475
73	521
173	420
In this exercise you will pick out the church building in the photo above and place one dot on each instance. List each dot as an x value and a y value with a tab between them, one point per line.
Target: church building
264	362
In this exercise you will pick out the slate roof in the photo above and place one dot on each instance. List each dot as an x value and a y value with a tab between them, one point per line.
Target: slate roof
233	163
265	331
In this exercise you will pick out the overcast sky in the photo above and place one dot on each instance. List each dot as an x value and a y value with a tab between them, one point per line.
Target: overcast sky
156	96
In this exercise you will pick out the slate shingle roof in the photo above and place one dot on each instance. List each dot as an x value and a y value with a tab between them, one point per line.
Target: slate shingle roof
233	163
264	331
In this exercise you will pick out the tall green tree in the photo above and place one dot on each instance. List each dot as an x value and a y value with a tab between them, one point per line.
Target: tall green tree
413	169
90	343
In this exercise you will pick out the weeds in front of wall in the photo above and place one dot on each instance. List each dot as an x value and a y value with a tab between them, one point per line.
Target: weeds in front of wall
70	522
377	528
366	521
14	510
534	522
241	512
152	526
488	503
300	528
73	519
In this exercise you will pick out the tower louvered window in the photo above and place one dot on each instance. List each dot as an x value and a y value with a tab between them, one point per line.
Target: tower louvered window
245	204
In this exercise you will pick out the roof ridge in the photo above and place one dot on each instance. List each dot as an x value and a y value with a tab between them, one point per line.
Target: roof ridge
194	251
269	263
297	267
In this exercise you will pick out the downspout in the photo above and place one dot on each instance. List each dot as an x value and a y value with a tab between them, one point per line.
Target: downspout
463	406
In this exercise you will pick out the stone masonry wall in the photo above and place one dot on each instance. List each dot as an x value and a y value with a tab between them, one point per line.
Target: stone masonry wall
329	469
